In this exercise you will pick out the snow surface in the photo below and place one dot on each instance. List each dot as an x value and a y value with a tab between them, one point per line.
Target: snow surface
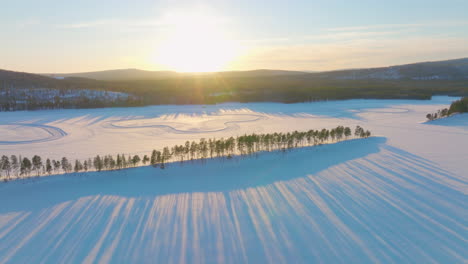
85	133
455	120
399	197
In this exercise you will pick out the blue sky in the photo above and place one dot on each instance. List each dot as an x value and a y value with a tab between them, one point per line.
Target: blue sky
71	36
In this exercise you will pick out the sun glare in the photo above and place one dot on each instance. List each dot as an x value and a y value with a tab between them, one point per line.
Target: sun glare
195	43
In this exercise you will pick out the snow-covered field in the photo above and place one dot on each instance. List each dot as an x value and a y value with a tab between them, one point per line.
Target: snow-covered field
399	197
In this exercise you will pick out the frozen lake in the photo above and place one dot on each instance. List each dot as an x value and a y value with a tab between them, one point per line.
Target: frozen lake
84	133
398	197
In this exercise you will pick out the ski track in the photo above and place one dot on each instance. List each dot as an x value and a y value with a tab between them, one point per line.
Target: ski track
228	125
54	133
393	110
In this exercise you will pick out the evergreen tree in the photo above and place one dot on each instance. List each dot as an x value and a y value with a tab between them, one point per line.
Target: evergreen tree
359	131
1	168
166	154
14	164
459	106
145	159
26	166
135	160
66	166
5	166
48	166
37	164
85	165
57	165
153	157
347	132
368	134
98	163
106	162
78	166
112	162
124	162
90	164
119	161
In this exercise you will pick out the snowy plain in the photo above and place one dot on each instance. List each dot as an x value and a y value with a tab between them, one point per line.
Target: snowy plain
398	197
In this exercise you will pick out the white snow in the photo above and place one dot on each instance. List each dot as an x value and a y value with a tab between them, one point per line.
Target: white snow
86	132
399	197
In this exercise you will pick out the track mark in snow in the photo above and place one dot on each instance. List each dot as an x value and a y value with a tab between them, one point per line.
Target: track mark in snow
171	128
392	110
53	133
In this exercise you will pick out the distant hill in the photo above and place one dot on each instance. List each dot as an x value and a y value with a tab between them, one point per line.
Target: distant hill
24	78
135	74
121	74
411	81
438	70
260	73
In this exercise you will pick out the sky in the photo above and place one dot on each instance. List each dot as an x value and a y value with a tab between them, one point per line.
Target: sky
57	36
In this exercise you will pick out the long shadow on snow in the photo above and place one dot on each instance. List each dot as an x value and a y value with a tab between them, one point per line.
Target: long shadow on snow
212	175
458	120
328	204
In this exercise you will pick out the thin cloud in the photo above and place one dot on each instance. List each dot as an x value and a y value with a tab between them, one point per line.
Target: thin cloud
114	23
407	26
265	40
356	54
345	35
168	19
333	37
374	27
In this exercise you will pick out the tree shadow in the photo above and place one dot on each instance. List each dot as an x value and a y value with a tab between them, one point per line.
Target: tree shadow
458	120
356	201
210	175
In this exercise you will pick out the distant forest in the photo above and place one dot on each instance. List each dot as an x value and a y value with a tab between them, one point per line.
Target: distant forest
218	88
23	167
17	99
214	89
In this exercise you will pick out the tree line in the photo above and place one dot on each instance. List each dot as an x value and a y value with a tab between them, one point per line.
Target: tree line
458	106
220	88
23	167
18	99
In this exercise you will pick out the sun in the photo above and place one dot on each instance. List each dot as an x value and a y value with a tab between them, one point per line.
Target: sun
195	43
